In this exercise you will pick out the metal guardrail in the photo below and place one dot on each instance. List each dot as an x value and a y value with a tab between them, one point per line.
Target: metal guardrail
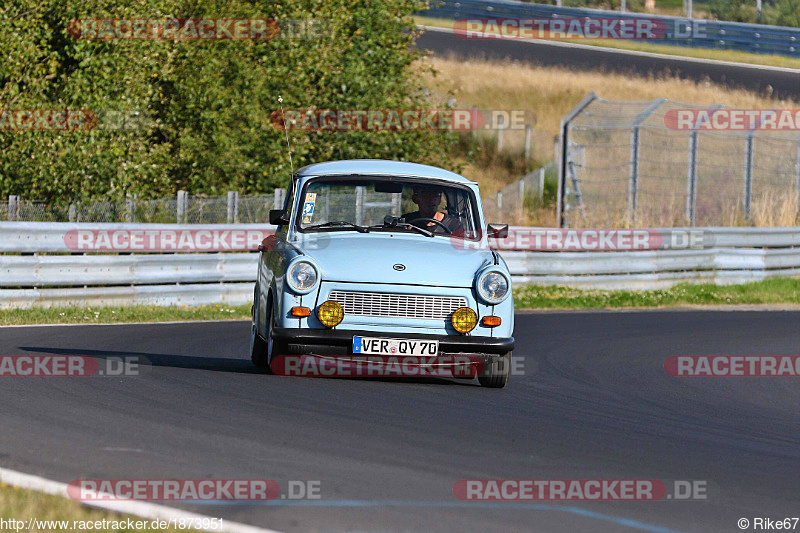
60	278
681	31
50	237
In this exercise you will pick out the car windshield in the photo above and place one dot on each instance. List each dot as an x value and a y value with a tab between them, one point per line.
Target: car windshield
387	204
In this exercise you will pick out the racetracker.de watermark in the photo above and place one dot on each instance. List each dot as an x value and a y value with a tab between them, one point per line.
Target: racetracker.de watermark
193	29
71	366
402	119
68	120
165	240
387	366
733	365
733	119
561	28
579	490
206	490
596	240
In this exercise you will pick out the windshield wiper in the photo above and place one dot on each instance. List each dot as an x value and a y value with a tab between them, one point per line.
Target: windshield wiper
332	224
403	225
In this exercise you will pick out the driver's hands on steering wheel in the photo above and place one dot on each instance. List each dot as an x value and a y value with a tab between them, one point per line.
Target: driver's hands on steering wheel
437	222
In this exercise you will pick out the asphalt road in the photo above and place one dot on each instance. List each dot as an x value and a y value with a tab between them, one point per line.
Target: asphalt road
594	403
784	83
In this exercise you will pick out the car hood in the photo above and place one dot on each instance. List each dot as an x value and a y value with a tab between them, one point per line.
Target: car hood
380	257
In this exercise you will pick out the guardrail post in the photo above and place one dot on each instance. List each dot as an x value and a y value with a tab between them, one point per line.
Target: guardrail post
747	195
527	142
13	207
183	200
691	179
233	207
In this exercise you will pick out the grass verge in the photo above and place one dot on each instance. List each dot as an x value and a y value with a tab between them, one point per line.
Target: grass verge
23	505
772	291
102	315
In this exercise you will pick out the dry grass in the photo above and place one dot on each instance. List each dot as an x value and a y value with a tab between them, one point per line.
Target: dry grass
551	92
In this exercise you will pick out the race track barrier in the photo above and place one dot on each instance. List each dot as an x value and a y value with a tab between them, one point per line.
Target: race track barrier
38	269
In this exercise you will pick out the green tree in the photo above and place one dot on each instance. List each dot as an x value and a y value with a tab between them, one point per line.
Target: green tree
203	107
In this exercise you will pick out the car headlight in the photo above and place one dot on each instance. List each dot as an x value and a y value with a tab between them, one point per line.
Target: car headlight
493	287
302	276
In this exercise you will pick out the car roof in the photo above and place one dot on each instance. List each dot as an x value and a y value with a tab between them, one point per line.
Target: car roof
379	167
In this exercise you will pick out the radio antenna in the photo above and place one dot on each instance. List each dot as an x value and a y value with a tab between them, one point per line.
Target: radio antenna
286	130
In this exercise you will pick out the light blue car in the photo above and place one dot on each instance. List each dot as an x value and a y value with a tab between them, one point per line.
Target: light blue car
380	258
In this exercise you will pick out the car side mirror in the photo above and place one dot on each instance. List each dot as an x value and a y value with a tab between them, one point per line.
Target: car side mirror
498	231
278	217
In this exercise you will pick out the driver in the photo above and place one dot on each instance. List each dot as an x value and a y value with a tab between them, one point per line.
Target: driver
428	200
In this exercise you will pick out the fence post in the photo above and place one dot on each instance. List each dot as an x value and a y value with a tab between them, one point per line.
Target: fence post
280	198
541	184
233	207
633	180
73	212
474	122
562	149
527	142
748	175
521	198
499	133
13	207
182	201
691	179
797	181
130	208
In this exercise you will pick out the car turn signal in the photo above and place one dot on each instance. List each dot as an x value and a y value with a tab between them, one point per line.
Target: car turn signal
490	321
301	311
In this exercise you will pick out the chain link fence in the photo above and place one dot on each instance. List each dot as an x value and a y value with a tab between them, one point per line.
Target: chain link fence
628	164
184	208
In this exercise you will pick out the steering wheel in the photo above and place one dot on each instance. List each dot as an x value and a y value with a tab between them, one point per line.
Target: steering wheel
438	223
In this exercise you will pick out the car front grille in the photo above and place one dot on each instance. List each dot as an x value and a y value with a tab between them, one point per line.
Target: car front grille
397	305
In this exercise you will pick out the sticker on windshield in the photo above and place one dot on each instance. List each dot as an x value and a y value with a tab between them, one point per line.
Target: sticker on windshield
308	206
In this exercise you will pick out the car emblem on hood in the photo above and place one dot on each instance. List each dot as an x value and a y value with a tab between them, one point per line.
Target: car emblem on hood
399	267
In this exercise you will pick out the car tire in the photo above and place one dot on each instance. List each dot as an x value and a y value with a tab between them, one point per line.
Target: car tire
495	371
262	350
258	350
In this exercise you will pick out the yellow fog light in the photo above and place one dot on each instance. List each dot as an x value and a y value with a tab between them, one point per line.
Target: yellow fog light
330	313
464	319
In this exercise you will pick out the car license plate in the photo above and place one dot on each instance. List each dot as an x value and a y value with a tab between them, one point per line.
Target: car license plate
377	346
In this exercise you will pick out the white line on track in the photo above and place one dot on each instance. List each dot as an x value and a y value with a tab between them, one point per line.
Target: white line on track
629	52
147	510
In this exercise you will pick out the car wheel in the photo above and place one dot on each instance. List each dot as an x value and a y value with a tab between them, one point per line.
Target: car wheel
495	371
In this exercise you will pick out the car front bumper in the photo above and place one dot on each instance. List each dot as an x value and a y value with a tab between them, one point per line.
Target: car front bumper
340	342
